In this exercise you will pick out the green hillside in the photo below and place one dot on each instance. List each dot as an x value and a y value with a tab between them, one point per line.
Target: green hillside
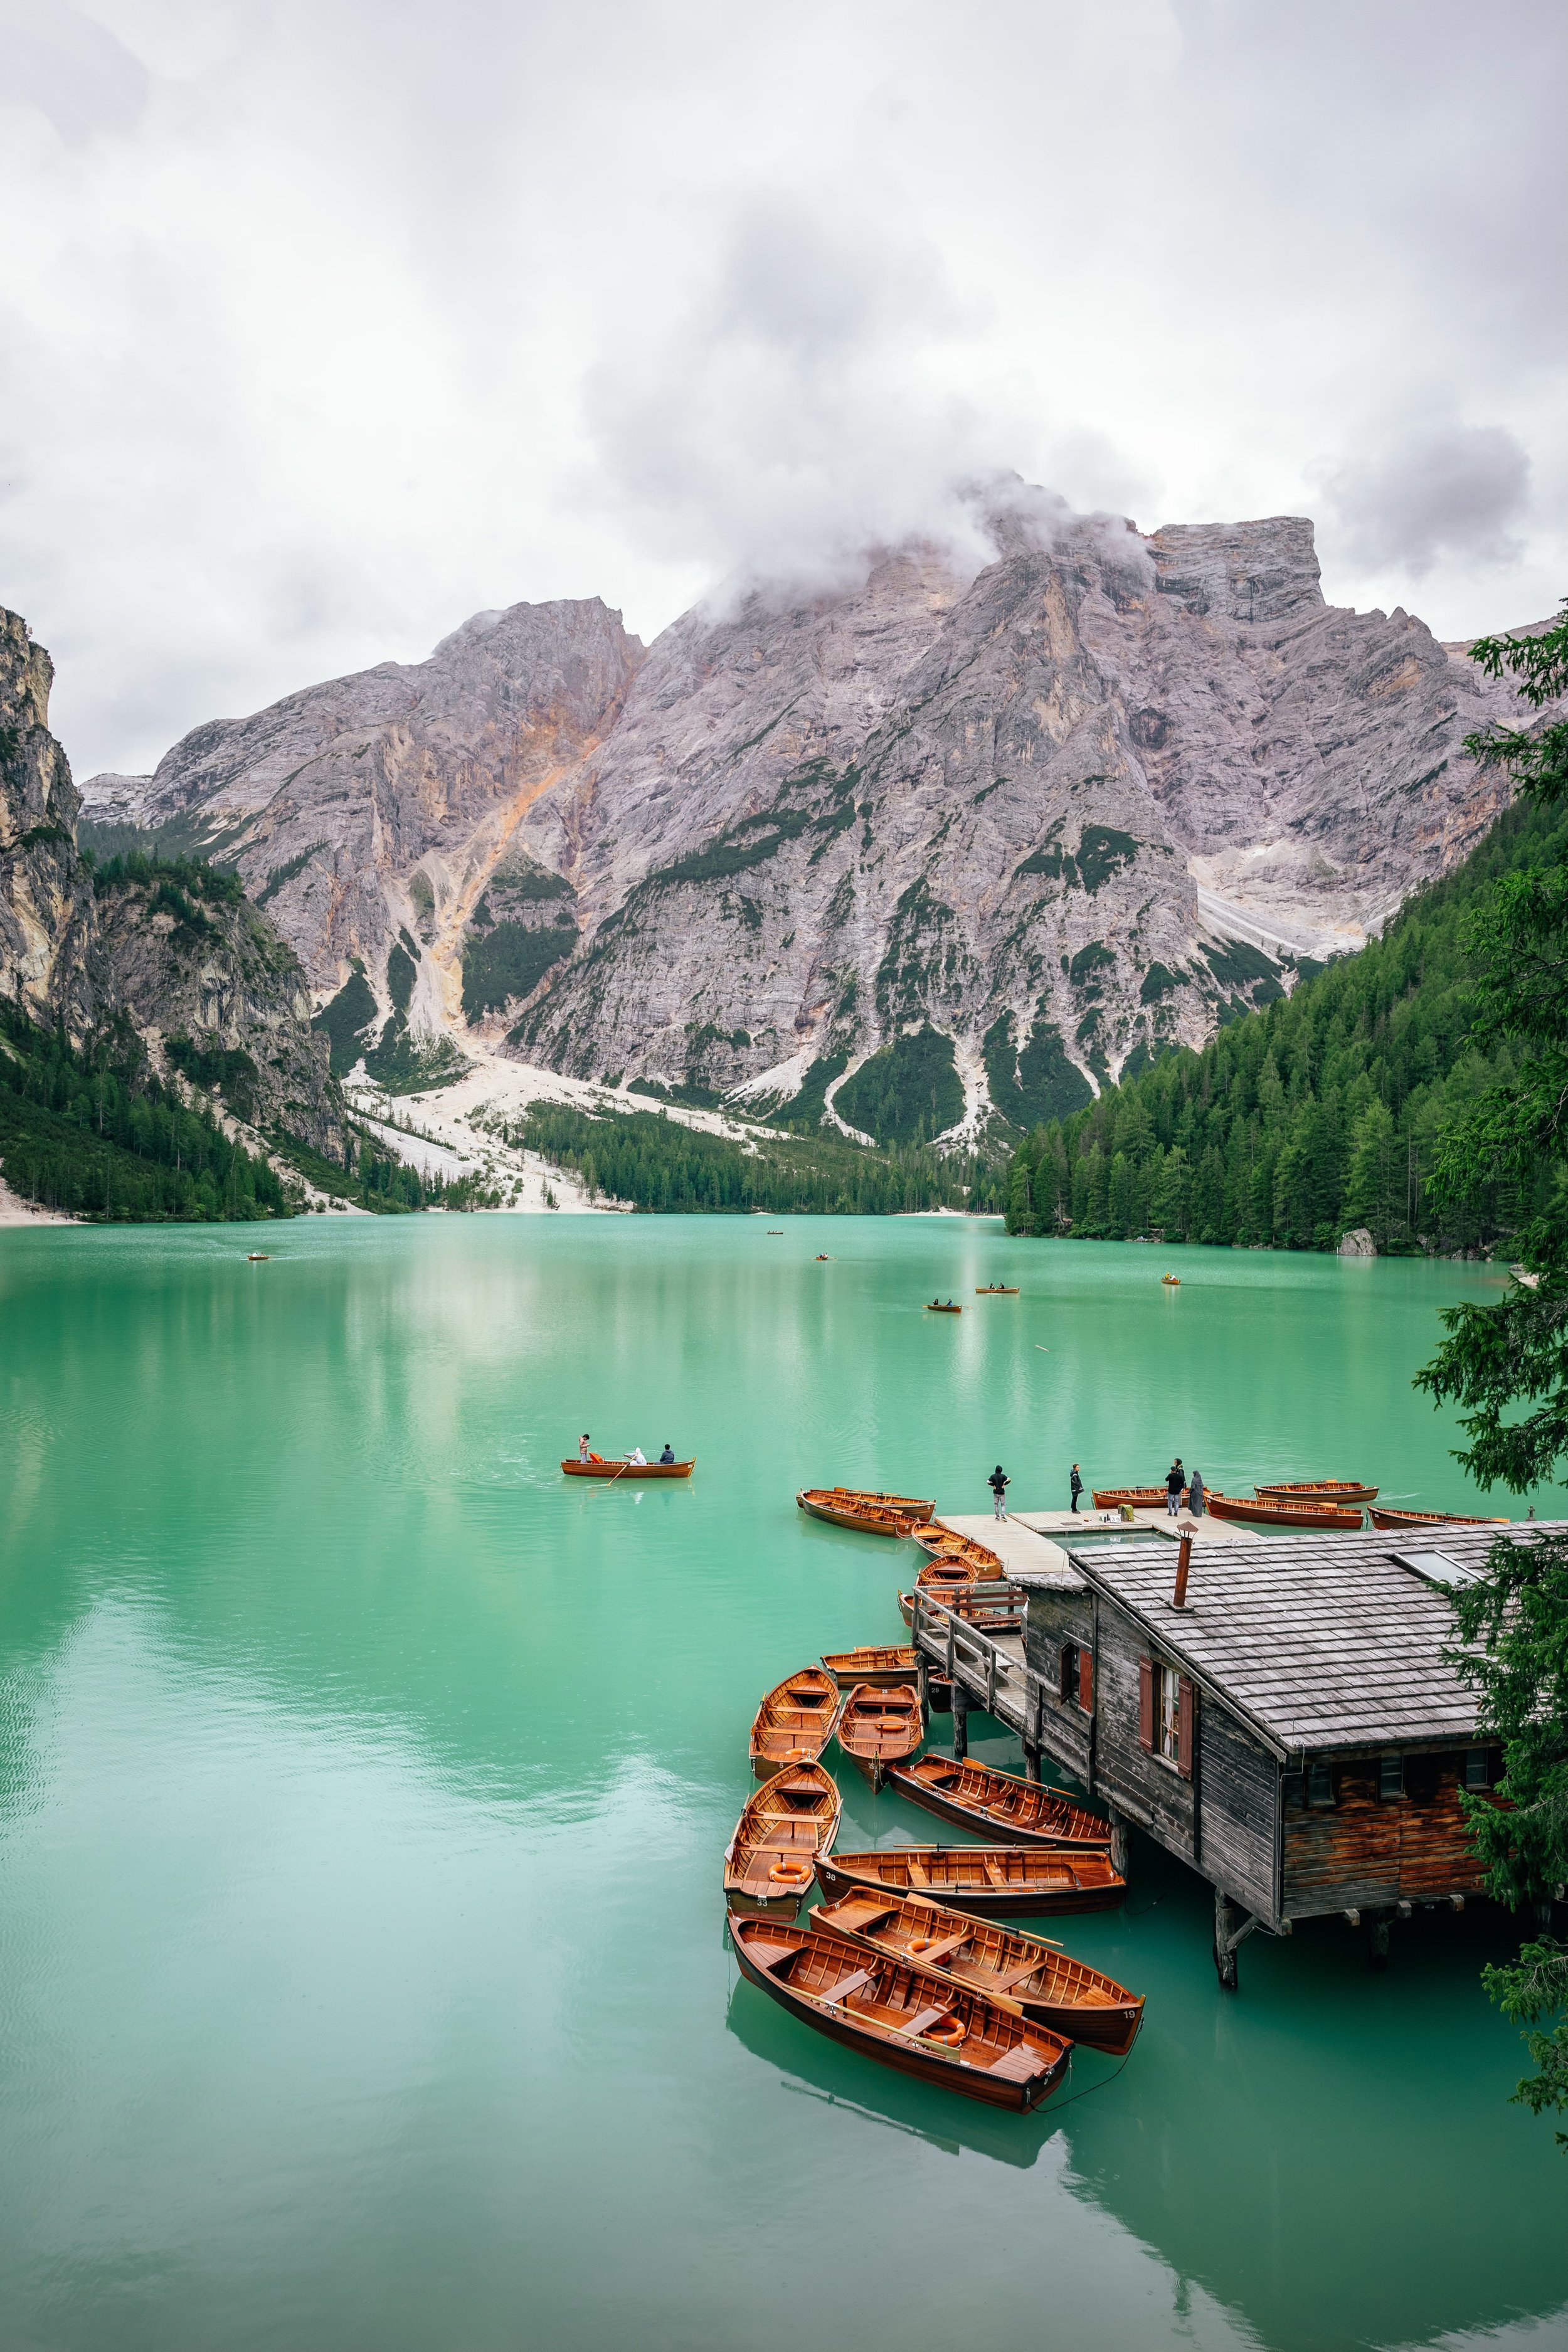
1316	1115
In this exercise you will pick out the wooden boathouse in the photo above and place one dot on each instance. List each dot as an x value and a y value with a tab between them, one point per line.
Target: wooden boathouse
1276	1713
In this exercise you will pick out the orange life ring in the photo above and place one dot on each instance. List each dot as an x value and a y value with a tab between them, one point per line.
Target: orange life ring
950	2030
790	1873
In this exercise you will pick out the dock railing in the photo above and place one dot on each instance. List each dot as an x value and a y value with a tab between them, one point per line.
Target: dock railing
973	1661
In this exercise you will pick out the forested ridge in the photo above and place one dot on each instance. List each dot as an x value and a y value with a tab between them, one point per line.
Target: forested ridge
1318	1114
657	1163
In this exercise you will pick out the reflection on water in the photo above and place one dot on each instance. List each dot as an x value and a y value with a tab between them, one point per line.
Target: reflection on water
362	1786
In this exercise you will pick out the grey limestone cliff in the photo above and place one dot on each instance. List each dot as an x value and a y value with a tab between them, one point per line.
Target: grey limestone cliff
50	962
940	849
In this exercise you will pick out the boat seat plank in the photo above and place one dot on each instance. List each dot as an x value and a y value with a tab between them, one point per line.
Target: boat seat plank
846	1985
939	1951
1016	2065
928	2016
1007	1978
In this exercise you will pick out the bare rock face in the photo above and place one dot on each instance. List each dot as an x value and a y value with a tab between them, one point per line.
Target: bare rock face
209	983
906	859
384	802
1061	817
206	970
49	964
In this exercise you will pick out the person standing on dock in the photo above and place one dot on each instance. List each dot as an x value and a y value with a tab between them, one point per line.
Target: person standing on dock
1076	1483
1175	1479
999	1483
1195	1494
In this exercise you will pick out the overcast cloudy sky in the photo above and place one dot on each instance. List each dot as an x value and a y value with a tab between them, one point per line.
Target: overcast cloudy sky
325	322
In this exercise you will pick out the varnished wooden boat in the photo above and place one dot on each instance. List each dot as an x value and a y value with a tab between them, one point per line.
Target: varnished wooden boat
770	1861
1391	1521
1318	1490
997	1882
878	1727
998	1290
1323	1516
257	1257
944	1543
876	1515
1016	1971
979	1799
879	1667
795	1722
596	1466
934	1309
905	2017
1141	1498
1172	1281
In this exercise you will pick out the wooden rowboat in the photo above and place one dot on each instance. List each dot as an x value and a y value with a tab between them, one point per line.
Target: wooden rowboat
878	1727
977	1798
1323	1516
596	1468
998	1290
943	1543
1018	1972
1318	1490
795	1722
879	1668
932	1307
904	2016
1141	1498
999	1882
876	1515
770	1861
1391	1522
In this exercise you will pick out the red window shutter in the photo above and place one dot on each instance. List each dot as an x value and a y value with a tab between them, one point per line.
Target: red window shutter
1147	1703
1187	1704
1086	1681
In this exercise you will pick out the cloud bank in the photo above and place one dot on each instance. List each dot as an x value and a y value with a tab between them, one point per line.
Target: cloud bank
334	322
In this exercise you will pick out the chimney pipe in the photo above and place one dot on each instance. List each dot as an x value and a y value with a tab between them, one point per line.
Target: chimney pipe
1183	1561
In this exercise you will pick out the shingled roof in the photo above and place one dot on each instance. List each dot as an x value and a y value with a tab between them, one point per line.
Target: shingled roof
1321	1641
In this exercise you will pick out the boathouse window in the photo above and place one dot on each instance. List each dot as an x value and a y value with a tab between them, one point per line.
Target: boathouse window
1076	1685
1166	1710
1390	1777
1477	1768
1319	1785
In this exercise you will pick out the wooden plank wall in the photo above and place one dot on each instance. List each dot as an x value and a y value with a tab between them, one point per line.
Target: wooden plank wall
1365	1850
1238	1799
1051	1619
1145	1786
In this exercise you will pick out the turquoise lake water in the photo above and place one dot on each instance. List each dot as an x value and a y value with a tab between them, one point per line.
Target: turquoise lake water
364	1785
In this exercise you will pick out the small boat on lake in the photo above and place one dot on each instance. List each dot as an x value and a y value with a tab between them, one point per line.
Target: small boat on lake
1020	1972
937	1307
795	1722
596	1466
943	1543
257	1257
872	1514
903	2016
771	1859
1172	1281
877	1666
878	1727
998	1290
1326	1516
999	1881
1391	1522
979	1799
1137	1499
1318	1490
